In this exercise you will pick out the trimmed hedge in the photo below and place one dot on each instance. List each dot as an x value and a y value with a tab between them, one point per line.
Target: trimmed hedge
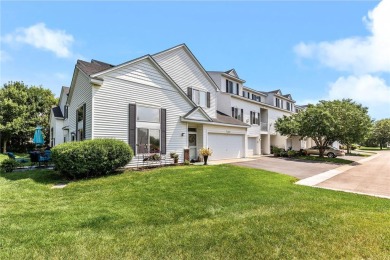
91	157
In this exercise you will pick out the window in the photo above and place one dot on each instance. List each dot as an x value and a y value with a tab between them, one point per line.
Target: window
65	111
199	97
237	88
148	140
254	118
277	102
148	114
238	113
229	86
288	104
80	123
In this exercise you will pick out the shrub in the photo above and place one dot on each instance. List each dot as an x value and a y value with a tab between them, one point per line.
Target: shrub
91	157
8	165
276	151
186	162
291	153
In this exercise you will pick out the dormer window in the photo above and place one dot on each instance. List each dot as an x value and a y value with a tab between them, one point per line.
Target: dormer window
289	107
277	102
229	86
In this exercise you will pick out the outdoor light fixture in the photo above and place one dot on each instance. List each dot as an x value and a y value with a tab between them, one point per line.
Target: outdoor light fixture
182	134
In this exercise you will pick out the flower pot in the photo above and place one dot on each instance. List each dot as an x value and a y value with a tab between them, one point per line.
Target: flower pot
205	159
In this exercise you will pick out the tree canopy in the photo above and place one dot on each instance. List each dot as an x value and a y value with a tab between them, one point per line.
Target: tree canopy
381	132
328	121
22	108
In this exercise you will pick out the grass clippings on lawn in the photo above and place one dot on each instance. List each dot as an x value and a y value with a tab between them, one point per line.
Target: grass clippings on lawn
223	212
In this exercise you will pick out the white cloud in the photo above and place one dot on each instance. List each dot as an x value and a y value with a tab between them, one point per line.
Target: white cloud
356	54
41	37
372	92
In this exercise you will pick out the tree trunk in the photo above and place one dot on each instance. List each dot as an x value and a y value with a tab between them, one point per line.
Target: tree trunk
348	148
4	145
322	150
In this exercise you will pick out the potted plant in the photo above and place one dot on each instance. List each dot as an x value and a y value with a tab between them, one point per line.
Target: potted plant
175	157
205	152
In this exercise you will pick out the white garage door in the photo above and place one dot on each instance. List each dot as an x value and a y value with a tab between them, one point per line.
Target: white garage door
251	146
226	146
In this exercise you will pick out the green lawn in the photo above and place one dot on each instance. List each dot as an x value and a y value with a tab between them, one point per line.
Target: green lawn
198	212
364	148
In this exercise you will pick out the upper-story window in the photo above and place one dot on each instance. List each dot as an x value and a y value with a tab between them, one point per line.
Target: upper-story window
254	118
288	106
80	123
65	111
231	89
256	97
277	102
199	97
148	114
238	113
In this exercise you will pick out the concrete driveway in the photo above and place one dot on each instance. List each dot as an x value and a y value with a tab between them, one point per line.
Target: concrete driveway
371	177
296	168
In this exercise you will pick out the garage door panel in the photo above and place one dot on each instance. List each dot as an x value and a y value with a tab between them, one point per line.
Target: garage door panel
226	146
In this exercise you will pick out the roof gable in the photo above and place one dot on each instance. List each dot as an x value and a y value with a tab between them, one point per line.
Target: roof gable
232	72
197	114
192	57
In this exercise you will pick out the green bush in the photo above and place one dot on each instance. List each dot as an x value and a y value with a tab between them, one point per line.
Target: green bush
8	165
291	153
91	157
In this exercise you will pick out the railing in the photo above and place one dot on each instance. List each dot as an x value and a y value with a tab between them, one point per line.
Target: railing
264	127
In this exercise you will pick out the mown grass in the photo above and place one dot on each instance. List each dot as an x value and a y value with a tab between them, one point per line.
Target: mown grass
194	212
323	159
365	148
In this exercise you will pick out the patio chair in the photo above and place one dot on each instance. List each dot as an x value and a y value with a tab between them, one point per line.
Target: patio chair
13	157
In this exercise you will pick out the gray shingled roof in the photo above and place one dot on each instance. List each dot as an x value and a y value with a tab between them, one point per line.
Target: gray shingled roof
57	111
225	119
92	67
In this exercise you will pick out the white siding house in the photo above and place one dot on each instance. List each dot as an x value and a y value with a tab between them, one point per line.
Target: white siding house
167	102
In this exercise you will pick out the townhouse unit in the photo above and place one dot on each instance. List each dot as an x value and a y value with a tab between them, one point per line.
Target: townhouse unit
167	102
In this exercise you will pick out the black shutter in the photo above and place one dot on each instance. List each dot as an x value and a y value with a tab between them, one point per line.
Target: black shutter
84	119
232	111
242	115
163	139
258	118
238	88
208	99
189	93
132	126
227	86
251	117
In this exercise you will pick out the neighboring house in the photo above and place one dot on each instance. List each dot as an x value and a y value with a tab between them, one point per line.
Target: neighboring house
167	102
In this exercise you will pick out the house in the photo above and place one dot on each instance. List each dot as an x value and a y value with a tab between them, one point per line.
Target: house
167	102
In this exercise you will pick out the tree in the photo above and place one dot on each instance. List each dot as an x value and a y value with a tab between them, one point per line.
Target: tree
13	110
326	122
22	108
381	132
353	121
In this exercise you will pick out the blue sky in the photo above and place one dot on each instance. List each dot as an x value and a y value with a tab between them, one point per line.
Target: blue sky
312	50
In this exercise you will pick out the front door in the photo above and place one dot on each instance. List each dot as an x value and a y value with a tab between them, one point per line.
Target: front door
192	146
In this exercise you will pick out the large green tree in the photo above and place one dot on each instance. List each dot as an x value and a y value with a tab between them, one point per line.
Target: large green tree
381	132
22	108
326	122
353	122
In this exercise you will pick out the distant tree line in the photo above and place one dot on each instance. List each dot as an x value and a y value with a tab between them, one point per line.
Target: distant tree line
22	108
